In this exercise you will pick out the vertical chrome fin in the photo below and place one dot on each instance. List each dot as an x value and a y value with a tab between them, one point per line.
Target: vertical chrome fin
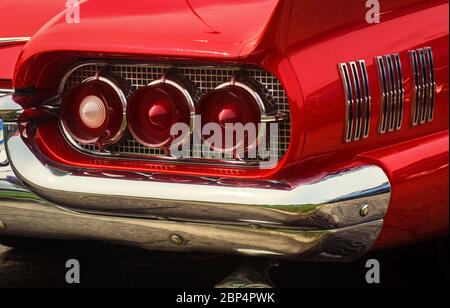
383	94
415	79
367	98
392	93
390	78
432	82
424	85
348	101
357	100
400	90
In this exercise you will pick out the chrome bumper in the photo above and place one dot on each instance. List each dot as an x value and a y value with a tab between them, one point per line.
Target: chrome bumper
332	217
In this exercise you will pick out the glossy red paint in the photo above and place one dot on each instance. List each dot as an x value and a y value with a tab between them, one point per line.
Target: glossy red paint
22	19
418	171
58	150
25	17
301	42
5	84
182	29
8	57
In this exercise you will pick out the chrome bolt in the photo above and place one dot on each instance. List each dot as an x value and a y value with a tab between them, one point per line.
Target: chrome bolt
176	239
364	210
256	227
2	226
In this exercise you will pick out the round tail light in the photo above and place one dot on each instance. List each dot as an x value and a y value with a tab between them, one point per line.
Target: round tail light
93	112
154	109
233	103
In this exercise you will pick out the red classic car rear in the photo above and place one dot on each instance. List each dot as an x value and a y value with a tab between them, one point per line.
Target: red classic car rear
116	120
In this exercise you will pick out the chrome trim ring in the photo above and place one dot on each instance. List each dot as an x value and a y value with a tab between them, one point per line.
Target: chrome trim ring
252	92
188	98
123	126
262	127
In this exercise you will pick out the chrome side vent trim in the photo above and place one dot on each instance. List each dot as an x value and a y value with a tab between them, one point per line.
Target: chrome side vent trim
357	100
392	92
424	85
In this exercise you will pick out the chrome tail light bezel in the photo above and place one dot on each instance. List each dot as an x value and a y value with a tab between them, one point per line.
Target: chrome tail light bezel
201	76
259	102
123	125
184	92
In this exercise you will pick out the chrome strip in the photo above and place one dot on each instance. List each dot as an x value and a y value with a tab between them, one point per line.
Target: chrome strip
329	202
424	86
415	77
367	98
4	92
348	101
392	93
358	99
432	88
13	40
400	89
384	94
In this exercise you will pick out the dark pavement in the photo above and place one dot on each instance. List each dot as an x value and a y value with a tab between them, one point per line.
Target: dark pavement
421	265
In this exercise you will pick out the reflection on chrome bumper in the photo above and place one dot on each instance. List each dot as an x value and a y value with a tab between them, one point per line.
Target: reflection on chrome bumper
25	214
335	217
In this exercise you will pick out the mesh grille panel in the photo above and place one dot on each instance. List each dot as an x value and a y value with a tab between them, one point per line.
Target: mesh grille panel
205	79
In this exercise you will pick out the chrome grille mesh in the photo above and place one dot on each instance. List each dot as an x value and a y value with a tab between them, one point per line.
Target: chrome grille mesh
205	79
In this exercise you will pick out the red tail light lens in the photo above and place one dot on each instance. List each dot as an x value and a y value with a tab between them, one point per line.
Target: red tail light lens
154	109
93	112
232	103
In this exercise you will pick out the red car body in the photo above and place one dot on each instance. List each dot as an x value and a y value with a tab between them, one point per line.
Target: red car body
301	43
